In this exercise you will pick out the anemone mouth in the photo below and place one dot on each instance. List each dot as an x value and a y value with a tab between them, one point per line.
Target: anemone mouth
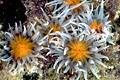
97	26
73	2
53	27
78	9
79	51
21	47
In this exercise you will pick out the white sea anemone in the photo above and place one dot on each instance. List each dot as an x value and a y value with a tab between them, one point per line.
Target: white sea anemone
78	51
98	22
22	46
49	24
69	7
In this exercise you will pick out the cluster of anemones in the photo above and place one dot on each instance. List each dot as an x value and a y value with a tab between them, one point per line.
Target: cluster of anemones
75	33
78	51
82	41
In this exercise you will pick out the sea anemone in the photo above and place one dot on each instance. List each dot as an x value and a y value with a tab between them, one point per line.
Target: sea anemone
69	7
78	52
50	24
97	22
22	46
